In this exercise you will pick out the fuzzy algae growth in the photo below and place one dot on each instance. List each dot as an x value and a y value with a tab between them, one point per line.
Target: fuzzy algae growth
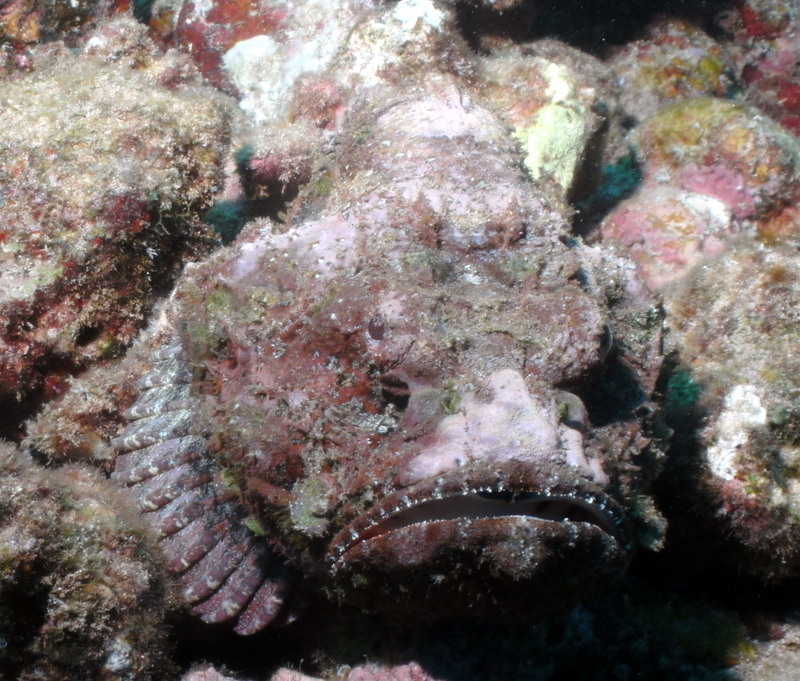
554	140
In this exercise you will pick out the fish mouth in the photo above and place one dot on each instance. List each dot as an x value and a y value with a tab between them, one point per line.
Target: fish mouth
484	540
490	504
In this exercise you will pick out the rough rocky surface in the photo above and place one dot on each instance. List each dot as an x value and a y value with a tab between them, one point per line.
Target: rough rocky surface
29	21
733	326
674	61
80	583
106	156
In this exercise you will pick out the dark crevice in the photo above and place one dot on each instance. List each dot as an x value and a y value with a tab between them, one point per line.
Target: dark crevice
25	611
49	378
263	197
476	22
228	217
87	335
612	184
612	395
593	26
15	412
219	645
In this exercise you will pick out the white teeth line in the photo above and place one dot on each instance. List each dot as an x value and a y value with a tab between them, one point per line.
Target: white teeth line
405	502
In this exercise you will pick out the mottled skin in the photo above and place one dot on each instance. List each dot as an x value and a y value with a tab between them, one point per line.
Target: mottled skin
374	389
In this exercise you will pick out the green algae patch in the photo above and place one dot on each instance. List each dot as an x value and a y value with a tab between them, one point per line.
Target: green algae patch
682	392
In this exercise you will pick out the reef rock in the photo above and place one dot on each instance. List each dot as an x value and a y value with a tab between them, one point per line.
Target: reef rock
667	231
559	101
764	41
733	325
673	61
723	149
29	21
712	169
80	585
103	168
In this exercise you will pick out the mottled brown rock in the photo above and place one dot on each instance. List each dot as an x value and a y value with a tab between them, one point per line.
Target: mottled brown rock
103	171
80	587
734	327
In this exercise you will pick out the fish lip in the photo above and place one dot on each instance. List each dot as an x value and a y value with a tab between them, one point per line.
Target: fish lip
521	487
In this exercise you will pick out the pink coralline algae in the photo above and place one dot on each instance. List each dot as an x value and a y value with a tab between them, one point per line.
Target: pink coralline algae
407	672
667	231
211	674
